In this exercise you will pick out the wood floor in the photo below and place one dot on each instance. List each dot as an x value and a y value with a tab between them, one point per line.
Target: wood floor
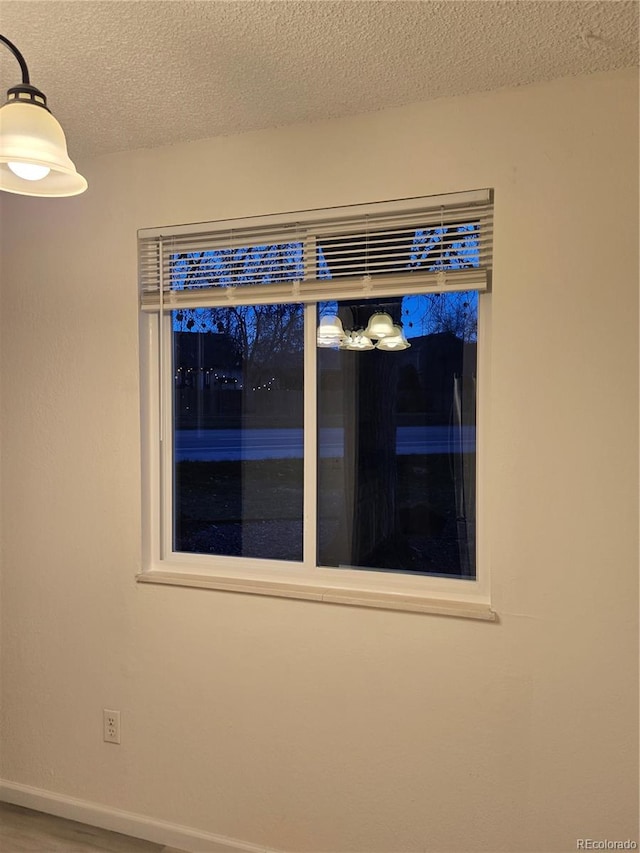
26	831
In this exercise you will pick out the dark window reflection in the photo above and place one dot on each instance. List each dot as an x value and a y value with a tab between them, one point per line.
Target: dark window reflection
396	470
396	462
238	417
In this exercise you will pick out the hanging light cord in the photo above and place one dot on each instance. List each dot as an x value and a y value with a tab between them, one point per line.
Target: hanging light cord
21	60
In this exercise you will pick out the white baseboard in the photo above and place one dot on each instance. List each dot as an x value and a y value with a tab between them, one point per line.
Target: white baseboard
139	826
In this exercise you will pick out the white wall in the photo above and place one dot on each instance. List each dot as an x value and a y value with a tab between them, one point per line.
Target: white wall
313	727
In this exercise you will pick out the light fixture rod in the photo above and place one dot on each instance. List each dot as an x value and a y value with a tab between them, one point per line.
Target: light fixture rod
21	60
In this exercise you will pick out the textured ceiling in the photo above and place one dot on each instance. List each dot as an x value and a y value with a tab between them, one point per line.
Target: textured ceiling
136	73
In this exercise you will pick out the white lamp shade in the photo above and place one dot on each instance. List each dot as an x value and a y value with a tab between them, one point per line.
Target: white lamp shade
380	326
357	341
330	331
30	134
395	341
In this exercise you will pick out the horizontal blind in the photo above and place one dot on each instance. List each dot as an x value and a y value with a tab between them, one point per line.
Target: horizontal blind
435	243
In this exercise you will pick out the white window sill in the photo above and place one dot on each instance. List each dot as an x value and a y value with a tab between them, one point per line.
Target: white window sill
381	600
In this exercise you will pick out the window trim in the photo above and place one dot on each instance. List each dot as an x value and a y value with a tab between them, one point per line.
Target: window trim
379	600
465	598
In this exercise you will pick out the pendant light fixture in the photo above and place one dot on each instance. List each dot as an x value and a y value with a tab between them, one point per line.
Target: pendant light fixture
395	341
389	337
330	331
357	340
33	148
380	325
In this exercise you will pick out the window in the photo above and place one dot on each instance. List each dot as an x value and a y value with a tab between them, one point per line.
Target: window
309	410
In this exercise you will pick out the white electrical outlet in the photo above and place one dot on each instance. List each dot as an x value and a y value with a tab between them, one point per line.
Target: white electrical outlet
111	726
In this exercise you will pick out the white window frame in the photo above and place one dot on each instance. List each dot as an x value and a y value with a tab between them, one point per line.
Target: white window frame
303	580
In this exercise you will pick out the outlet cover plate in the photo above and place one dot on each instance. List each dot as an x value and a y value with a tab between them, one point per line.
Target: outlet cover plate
110	726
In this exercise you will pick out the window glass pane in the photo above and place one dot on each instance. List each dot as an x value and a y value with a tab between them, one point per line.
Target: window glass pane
396	468
442	247
238	431
262	264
